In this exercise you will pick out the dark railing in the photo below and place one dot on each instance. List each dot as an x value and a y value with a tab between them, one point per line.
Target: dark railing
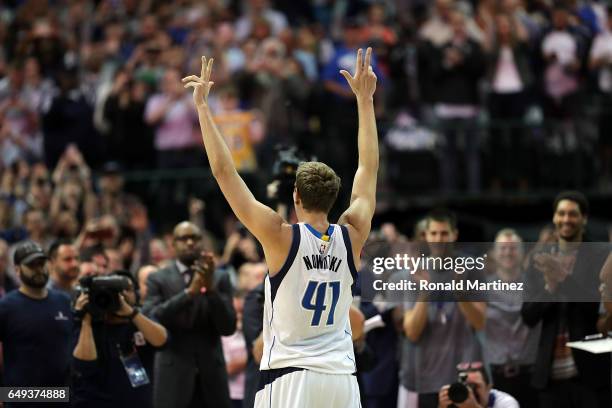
409	180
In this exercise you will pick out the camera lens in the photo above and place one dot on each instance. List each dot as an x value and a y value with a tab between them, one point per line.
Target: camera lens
103	300
458	392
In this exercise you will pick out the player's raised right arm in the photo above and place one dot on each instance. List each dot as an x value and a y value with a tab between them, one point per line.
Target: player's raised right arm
363	196
261	220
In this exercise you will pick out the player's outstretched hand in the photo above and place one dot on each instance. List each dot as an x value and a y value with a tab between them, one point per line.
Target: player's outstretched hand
201	84
363	83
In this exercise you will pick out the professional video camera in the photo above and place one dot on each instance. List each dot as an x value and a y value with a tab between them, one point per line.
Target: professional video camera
283	170
103	293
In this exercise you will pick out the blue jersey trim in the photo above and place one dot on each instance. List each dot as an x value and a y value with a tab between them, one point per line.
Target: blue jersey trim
354	363
330	231
349	253
491	402
271	347
276	280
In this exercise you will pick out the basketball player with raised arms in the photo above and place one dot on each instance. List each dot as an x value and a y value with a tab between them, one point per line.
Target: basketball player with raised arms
308	358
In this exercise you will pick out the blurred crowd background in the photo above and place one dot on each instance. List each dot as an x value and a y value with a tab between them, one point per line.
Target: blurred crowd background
476	99
487	106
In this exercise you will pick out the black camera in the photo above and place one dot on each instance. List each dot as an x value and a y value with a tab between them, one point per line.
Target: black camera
103	293
284	169
458	392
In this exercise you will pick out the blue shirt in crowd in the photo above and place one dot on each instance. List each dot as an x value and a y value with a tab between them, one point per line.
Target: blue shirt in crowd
345	58
36	335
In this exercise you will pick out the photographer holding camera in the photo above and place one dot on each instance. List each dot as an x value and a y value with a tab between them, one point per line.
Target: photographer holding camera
109	367
473	390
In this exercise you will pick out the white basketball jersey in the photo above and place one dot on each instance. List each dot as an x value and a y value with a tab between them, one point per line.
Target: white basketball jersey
306	312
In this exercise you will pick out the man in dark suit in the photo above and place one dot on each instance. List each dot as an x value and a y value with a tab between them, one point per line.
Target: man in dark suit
381	383
562	289
195	305
252	326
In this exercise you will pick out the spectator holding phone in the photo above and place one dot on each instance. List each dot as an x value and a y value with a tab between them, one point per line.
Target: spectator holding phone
73	188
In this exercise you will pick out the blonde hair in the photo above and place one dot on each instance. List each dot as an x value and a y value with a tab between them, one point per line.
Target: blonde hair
318	186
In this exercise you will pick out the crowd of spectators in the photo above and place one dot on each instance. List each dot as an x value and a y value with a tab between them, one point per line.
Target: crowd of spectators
463	84
187	328
91	89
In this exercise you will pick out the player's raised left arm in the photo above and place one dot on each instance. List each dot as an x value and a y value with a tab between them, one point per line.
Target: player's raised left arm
261	220
363	195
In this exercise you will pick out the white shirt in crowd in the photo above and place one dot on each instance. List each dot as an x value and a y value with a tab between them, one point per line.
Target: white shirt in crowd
234	348
602	49
503	400
562	44
558	81
507	79
409	399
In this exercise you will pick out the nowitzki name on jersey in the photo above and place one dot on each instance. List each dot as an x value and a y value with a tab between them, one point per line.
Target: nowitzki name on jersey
325	262
453	285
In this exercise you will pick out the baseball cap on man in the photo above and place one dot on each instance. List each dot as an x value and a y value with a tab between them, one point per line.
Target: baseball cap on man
111	167
28	251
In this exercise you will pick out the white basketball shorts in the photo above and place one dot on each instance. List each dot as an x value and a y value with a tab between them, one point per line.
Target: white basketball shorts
307	389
